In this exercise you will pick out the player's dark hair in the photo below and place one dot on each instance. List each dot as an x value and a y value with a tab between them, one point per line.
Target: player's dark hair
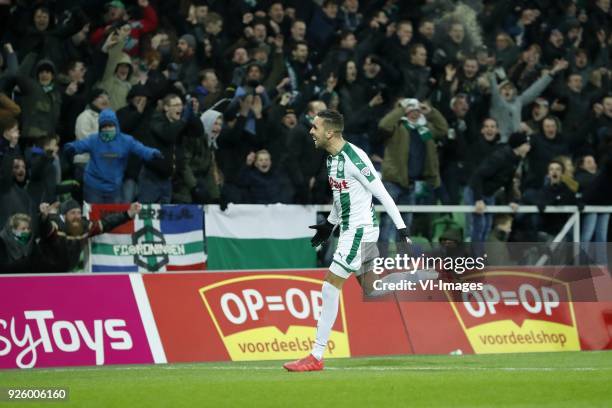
332	120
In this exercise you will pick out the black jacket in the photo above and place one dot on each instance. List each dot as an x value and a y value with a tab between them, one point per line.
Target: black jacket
415	81
14	196
599	191
543	150
261	188
495	172
165	136
584	179
478	151
42	186
235	144
136	124
188	73
277	136
555	194
305	162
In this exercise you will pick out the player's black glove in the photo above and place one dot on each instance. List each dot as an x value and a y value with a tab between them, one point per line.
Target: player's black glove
404	235
323	232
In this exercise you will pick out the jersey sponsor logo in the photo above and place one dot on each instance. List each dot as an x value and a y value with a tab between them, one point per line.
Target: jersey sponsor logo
338	184
366	171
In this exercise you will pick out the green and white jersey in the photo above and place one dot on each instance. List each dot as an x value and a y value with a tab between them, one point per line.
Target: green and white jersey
353	181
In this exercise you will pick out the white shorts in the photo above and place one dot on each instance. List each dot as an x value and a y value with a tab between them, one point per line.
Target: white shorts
351	252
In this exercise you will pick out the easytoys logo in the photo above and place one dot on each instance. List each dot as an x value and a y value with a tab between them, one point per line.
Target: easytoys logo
270	316
39	332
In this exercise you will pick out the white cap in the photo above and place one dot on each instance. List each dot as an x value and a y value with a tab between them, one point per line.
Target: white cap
410	104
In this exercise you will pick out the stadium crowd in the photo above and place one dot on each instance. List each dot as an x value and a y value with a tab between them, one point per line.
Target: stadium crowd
211	101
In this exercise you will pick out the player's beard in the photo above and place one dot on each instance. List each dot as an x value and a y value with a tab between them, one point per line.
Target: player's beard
75	228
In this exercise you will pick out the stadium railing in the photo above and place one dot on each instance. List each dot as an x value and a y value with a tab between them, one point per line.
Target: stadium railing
573	222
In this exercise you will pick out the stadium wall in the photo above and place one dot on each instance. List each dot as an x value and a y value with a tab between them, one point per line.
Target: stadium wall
102	319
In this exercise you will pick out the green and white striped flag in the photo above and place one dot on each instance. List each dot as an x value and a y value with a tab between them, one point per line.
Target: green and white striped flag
260	236
161	238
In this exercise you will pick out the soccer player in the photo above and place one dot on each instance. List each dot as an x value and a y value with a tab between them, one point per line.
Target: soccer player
353	181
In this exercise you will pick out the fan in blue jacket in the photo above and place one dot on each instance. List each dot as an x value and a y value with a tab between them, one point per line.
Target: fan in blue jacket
109	150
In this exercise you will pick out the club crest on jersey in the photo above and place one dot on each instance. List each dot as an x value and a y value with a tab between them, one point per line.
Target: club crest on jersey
340	166
366	171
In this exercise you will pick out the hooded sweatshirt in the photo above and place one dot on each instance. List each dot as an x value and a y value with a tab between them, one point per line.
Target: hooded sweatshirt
106	168
41	104
208	119
116	88
508	113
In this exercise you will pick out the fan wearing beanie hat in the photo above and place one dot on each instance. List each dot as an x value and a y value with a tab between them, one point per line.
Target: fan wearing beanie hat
69	206
517	139
189	68
289	118
138	98
189	39
45	73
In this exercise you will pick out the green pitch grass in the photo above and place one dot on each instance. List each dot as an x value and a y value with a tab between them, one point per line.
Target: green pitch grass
580	379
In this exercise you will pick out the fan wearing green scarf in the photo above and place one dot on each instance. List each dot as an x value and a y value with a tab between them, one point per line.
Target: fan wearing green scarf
16	244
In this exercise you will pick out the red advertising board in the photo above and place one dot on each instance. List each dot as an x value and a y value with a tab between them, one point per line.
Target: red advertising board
518	310
259	316
67	320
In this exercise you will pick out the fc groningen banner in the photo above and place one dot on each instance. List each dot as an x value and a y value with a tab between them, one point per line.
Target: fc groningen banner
160	238
260	236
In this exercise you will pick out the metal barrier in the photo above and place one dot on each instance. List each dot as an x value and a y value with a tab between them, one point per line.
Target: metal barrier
572	223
